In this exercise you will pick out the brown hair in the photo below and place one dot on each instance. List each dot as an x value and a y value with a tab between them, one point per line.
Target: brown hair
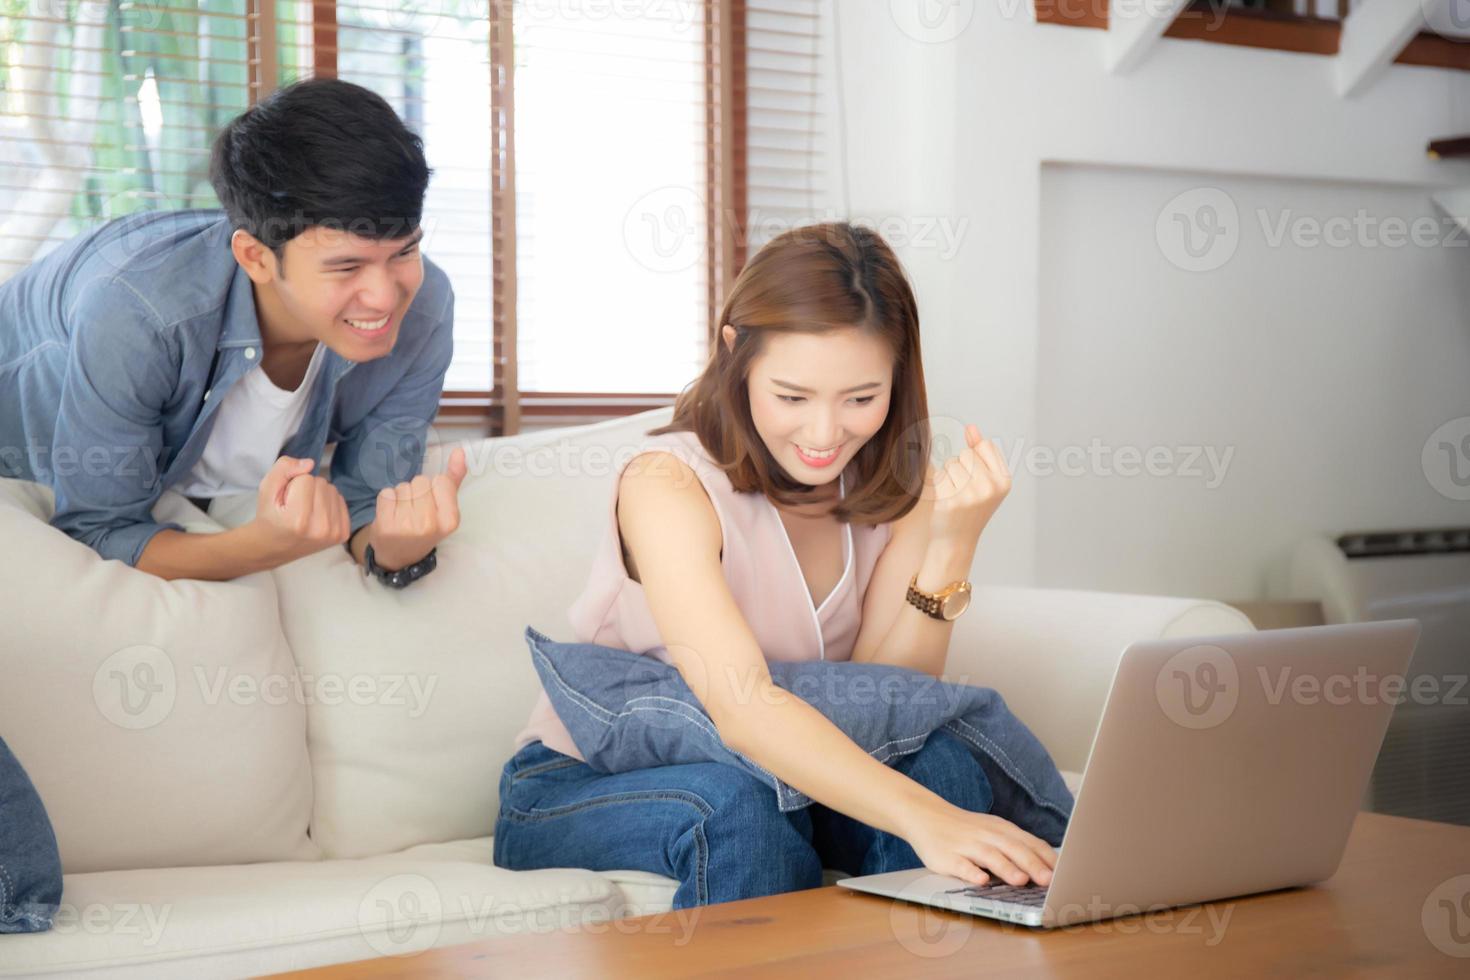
816	279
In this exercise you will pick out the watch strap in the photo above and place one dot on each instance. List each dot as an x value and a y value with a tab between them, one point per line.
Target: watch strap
403	577
931	604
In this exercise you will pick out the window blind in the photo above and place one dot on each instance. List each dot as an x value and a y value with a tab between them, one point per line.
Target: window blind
431	62
610	188
107	108
786	131
601	170
715	109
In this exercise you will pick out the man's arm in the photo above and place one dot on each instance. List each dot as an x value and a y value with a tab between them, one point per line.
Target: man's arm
107	448
107	456
218	557
296	514
357	545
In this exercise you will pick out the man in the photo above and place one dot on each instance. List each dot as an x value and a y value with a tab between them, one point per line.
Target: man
219	352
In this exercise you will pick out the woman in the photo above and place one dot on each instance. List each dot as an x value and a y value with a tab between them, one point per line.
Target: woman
783	514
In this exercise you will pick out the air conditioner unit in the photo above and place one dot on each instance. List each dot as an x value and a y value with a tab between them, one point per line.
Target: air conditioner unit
1423	769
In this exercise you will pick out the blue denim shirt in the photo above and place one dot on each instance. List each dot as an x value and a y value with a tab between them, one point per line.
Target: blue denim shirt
117	348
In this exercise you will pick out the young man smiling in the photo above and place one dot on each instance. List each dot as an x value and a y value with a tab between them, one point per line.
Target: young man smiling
217	353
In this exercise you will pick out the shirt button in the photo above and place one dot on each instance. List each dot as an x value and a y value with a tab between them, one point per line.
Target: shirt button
208	393
250	353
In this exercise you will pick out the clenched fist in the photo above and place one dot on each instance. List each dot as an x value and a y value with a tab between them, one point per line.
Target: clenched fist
415	516
297	514
967	490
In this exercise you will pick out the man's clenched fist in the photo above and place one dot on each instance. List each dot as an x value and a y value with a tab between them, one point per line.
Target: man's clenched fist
415	516
297	514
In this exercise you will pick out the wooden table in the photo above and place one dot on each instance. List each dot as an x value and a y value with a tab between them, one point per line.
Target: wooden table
1399	906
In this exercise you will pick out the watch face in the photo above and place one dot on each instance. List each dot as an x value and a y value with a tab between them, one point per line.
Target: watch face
954	605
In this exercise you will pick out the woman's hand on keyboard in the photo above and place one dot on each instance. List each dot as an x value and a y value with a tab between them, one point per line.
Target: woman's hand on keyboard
966	845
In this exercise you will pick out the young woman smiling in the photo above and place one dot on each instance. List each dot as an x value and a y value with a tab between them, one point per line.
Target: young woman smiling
788	512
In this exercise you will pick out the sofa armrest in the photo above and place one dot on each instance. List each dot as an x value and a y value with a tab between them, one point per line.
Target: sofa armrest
1051	653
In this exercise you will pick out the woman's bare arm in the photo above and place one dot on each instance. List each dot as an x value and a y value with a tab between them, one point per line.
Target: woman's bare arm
937	539
672	532
893	630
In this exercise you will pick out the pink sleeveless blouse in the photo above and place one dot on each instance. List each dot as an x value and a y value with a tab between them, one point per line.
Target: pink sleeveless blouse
760	567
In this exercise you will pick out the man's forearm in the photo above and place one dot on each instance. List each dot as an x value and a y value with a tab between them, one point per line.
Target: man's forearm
216	557
359	541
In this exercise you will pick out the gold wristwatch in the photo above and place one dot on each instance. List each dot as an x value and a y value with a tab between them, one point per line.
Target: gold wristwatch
947	605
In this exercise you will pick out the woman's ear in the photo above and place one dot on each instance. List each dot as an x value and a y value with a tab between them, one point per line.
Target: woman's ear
728	335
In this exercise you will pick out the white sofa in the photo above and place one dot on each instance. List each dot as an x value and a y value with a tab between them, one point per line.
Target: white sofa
301	767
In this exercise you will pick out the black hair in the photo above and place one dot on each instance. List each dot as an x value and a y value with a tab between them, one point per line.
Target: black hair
320	152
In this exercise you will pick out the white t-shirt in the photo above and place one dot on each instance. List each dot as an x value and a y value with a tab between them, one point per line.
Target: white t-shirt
252	424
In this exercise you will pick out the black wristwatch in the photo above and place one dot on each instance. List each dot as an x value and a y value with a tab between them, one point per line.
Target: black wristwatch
404	576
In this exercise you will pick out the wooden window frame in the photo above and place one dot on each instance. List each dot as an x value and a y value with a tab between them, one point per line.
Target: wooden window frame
726	169
504	407
1259	29
499	409
261	44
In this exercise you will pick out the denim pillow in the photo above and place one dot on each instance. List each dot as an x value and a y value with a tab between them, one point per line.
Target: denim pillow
627	711
30	865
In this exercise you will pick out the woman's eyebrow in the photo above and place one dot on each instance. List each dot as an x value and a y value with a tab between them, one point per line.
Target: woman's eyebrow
808	391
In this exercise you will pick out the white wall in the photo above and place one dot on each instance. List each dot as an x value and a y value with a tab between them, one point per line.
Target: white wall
1290	390
1057	171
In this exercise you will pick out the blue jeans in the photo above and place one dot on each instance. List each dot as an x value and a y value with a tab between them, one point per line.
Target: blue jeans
30	865
714	828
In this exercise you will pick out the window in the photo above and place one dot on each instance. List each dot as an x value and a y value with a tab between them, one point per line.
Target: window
601	169
432	63
787	162
610	180
107	108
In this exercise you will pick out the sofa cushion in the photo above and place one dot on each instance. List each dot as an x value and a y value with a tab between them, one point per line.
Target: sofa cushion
1062	648
441	679
246	920
155	718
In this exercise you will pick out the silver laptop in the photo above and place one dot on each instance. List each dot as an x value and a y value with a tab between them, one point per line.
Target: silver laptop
1223	766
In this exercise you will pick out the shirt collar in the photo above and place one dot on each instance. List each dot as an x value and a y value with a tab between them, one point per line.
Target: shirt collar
241	328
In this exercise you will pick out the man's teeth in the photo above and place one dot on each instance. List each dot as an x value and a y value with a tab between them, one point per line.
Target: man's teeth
369	324
815	454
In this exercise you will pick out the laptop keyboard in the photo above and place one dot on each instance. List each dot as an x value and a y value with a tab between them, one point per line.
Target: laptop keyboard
1029	895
